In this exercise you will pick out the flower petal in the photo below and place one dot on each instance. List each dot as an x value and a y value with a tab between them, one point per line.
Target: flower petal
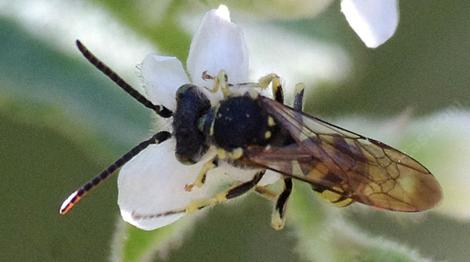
244	175
218	45
270	177
163	75
301	59
153	183
374	21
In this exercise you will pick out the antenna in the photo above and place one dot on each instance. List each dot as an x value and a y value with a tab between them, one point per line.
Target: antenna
160	110
77	195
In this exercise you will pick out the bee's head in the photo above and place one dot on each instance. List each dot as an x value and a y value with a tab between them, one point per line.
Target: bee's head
191	104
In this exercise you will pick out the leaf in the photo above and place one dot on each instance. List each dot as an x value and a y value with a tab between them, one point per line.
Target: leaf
73	87
157	21
133	244
324	235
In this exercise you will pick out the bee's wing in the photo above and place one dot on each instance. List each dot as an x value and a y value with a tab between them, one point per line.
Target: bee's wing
346	163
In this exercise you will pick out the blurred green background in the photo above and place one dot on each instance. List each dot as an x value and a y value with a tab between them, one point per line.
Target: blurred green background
61	122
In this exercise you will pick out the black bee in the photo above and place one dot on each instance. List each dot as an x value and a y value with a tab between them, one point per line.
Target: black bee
250	130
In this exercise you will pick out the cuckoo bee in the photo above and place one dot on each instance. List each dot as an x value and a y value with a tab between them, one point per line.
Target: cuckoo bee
251	131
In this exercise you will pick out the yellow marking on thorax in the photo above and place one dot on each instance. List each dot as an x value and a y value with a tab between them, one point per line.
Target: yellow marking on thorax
271	122
267	135
221	154
236	153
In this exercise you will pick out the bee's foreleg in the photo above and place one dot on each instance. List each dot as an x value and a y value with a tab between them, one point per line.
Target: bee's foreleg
233	192
220	82
201	178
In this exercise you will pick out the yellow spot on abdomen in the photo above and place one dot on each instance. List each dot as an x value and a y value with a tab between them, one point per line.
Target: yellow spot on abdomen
271	121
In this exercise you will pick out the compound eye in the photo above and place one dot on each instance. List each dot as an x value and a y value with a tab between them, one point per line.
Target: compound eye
183	89
186	160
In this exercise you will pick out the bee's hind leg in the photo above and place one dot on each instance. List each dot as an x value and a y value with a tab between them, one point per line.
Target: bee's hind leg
196	205
267	193
278	217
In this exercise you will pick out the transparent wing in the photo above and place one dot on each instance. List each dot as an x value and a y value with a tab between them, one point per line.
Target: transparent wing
345	163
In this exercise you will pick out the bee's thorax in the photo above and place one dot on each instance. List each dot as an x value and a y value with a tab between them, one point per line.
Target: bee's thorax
238	122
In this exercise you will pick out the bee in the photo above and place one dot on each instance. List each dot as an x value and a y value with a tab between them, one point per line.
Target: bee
251	131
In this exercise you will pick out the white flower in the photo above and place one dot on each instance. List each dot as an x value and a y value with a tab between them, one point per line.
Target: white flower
374	21
153	181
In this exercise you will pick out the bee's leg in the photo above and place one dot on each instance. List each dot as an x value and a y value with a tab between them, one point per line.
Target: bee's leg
201	178
278	217
233	192
279	213
221	154
220	82
299	97
265	192
276	85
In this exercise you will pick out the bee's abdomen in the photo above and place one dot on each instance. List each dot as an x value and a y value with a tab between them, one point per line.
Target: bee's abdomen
239	122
